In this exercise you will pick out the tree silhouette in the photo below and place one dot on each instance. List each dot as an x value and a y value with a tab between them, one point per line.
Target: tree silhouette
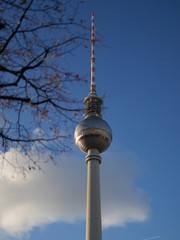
37	108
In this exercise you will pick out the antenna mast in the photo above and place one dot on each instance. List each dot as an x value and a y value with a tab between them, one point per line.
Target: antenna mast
93	83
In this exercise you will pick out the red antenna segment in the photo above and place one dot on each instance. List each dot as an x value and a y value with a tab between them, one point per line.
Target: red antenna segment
93	84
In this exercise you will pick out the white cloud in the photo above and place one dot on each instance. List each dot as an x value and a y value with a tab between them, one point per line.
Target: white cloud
38	131
150	238
59	194
122	200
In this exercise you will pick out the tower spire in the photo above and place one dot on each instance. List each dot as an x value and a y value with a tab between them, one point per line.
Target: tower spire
92	101
93	82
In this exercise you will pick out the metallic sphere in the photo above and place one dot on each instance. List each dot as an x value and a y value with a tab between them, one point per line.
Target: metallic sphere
93	132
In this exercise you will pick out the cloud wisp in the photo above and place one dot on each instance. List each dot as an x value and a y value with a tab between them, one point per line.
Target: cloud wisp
151	238
59	194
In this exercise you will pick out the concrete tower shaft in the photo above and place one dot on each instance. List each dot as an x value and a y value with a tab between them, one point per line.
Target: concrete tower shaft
93	204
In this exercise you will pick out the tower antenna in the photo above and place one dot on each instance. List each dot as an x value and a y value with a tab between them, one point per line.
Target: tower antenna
93	80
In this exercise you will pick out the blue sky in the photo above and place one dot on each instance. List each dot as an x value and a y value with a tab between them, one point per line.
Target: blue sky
139	71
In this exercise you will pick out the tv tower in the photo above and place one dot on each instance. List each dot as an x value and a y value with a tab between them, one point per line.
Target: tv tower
93	136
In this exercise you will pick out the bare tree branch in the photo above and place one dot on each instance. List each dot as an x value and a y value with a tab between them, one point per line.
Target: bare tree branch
37	108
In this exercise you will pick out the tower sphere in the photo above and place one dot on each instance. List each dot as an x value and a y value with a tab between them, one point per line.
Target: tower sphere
93	132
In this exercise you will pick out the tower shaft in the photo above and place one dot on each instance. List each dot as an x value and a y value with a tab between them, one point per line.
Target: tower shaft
93	205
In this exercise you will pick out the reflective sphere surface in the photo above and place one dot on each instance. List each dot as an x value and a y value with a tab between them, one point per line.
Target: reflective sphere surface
93	132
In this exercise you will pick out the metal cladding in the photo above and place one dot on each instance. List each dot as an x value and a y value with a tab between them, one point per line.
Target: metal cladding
93	132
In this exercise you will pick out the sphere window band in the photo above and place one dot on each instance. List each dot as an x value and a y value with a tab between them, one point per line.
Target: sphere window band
93	138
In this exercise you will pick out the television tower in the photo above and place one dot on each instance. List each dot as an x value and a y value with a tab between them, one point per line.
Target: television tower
93	136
